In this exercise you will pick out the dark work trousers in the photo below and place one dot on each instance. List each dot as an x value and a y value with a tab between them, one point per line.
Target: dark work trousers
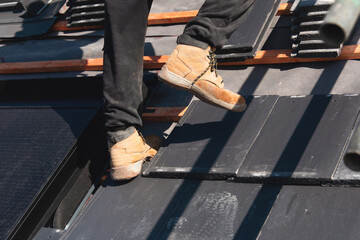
125	28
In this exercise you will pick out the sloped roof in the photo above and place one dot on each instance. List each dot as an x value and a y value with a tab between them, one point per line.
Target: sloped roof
274	171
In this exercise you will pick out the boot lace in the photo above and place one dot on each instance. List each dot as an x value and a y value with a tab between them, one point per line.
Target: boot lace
212	66
213	62
142	137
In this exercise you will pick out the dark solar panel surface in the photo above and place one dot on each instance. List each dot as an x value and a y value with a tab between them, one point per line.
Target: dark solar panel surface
33	144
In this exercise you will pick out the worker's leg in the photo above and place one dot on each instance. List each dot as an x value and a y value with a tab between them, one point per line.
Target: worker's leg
192	65
125	27
215	22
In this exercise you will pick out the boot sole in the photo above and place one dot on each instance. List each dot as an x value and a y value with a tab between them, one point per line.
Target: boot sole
126	172
181	83
131	170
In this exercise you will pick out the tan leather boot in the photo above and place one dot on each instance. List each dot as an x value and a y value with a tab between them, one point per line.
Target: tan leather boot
194	69
127	157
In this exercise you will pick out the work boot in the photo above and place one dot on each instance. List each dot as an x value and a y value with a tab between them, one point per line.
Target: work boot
194	69
128	155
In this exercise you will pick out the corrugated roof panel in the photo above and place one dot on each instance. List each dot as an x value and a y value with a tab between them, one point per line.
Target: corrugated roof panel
302	140
211	143
31	21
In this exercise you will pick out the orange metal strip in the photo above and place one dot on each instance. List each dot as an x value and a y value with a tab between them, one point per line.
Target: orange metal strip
155	62
171	17
52	66
61	26
158	19
283	56
163	114
284	9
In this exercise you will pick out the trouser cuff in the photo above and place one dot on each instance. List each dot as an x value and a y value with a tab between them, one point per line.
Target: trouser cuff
188	40
117	136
